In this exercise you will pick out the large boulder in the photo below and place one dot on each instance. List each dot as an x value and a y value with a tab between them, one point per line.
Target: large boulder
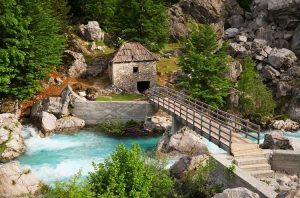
47	122
69	124
186	165
279	58
158	123
17	182
239	192
183	142
69	97
53	105
92	31
76	63
276	140
11	142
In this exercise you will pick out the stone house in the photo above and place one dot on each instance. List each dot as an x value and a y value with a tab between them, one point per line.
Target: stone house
133	68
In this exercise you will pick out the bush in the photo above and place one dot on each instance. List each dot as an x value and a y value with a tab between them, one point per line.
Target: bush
116	127
125	174
200	185
256	99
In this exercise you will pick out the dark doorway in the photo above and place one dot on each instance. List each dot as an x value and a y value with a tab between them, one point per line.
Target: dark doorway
142	86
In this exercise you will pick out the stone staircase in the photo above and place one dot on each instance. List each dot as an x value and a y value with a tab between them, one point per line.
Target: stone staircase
250	157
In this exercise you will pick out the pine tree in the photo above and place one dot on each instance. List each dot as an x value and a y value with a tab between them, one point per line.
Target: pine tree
205	66
60	9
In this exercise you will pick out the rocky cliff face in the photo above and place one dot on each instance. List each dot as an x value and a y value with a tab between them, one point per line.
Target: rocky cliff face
11	141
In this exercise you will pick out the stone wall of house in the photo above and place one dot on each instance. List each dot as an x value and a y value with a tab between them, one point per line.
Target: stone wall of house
95	112
123	77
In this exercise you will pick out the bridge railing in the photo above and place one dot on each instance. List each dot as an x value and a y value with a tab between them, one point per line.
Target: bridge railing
220	133
236	123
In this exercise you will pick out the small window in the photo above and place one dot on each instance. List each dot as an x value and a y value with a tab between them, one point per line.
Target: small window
135	70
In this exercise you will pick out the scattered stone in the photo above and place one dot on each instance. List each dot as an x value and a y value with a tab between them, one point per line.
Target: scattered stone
283	89
241	38
69	124
237	50
11	142
17	182
269	72
77	65
276	140
186	165
239	192
92	93
92	31
183	142
236	21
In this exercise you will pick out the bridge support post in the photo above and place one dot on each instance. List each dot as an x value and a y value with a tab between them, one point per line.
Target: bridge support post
176	124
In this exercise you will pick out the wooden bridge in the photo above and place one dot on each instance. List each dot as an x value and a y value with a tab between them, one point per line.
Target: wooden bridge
226	130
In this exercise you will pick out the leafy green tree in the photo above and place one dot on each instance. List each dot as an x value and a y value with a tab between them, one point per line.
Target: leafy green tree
205	66
126	174
256	100
31	45
60	9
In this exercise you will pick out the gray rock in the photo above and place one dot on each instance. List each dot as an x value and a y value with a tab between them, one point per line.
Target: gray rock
279	58
289	194
11	142
269	72
295	43
177	22
235	70
17	182
241	38
233	98
283	89
239	192
294	110
69	124
276	140
158	123
77	65
92	31
236	21
186	165
287	125
237	50
10	106
183	142
265	34
294	71
231	33
47	122
69	97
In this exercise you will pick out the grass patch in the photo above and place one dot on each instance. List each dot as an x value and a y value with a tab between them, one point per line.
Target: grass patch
100	43
122	97
165	68
89	57
171	46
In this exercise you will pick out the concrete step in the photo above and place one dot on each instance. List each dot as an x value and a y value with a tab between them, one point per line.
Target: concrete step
256	167
262	173
250	161
257	153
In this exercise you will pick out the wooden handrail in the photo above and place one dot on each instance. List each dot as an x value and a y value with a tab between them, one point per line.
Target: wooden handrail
225	120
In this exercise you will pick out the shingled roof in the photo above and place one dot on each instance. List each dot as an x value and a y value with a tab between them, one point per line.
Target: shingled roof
133	52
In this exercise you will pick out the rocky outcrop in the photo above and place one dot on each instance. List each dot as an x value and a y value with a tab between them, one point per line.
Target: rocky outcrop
287	125
236	193
91	31
68	124
235	70
16	182
9	106
183	142
76	64
158	123
211	12
186	165
276	140
11	142
52	114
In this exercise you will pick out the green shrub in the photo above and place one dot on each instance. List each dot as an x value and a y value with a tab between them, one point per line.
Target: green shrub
256	99
112	127
126	174
200	185
131	123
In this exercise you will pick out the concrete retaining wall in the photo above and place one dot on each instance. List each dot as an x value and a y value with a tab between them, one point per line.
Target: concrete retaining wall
94	112
285	160
240	178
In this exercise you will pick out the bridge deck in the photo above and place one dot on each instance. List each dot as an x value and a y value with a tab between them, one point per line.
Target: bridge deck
216	130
